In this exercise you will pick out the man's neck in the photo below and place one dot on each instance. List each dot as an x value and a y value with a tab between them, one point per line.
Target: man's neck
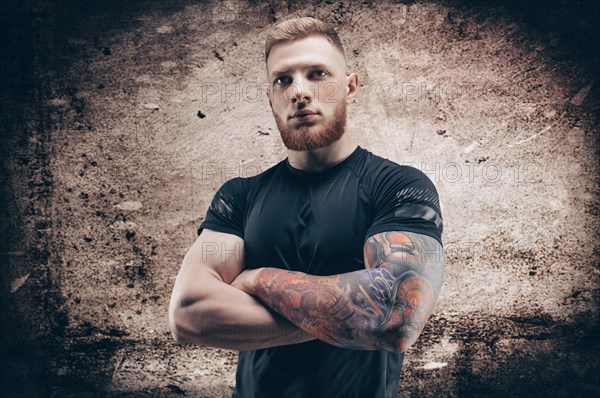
322	158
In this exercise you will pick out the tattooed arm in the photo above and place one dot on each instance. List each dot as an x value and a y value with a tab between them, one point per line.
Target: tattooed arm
384	306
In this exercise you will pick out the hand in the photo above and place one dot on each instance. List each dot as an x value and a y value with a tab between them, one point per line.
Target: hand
245	280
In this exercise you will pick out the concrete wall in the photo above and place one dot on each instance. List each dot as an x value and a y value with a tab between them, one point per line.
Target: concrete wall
120	121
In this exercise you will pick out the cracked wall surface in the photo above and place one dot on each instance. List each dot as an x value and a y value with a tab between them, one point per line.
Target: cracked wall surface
119	122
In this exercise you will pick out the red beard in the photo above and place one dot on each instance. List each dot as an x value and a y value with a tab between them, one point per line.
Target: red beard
306	136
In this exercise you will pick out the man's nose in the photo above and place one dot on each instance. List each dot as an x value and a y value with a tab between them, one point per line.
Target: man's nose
301	91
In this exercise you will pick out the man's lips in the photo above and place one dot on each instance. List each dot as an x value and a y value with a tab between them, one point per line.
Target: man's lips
304	113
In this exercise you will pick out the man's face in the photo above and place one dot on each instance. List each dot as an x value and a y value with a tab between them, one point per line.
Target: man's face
307	92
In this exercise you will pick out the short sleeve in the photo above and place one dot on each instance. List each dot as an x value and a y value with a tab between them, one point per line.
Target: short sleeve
226	211
405	199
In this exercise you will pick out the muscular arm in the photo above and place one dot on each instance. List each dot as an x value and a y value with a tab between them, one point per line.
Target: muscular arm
384	306
206	310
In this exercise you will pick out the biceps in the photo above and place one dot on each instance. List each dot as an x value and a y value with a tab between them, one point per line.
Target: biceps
214	259
420	253
407	274
411	267
216	253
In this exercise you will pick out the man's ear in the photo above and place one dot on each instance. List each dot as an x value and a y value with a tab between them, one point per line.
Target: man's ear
351	87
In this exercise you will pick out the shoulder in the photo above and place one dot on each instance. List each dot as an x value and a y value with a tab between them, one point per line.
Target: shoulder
381	171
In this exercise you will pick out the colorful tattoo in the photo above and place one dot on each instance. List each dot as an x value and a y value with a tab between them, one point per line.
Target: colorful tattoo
384	306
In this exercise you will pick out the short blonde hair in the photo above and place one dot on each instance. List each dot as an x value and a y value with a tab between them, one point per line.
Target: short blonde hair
300	28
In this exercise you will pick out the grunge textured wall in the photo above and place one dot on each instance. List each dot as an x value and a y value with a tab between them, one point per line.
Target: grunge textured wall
120	120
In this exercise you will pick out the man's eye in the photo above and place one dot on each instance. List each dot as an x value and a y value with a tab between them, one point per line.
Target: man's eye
320	73
282	80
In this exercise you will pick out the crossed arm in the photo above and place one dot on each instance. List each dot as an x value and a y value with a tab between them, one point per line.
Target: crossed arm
205	309
384	306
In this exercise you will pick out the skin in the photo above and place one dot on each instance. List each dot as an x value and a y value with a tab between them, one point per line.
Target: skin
310	74
385	306
206	310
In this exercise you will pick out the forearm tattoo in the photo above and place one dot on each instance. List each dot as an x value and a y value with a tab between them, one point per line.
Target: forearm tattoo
384	306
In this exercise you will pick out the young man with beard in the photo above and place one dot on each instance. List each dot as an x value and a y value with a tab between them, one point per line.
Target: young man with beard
323	269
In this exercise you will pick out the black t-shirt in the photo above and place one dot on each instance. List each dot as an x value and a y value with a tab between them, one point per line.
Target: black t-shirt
317	222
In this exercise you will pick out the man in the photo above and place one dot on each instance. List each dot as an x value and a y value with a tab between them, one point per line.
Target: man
323	269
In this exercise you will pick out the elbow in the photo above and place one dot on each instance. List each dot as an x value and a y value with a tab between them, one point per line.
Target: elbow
176	326
178	336
402	344
399	336
397	345
395	340
189	325
180	318
183	328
